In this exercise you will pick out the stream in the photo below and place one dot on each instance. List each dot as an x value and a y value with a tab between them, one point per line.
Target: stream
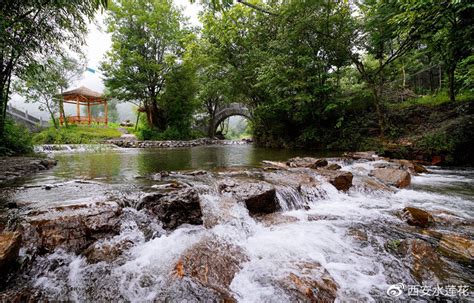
323	245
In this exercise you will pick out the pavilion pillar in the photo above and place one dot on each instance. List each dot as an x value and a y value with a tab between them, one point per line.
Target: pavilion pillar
78	110
106	112
89	112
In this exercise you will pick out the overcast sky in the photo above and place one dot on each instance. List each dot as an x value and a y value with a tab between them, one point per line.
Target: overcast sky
98	42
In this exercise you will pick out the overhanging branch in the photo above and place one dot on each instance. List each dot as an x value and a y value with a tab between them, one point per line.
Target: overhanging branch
257	8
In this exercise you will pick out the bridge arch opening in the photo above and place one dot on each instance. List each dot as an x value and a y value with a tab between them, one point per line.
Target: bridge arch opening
223	116
234	127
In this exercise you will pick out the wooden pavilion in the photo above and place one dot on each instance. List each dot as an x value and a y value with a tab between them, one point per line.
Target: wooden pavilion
84	96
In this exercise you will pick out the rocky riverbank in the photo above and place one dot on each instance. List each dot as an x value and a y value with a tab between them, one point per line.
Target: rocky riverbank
16	167
124	142
116	247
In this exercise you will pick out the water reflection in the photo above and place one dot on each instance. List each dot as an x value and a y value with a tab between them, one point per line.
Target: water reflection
126	164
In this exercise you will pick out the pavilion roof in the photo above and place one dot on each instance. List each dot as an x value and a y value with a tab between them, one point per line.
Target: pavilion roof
83	95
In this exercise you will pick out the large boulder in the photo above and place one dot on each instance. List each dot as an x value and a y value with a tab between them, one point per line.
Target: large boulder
71	227
342	180
174	207
417	217
9	248
457	247
310	283
394	177
212	263
411	166
307	162
259	196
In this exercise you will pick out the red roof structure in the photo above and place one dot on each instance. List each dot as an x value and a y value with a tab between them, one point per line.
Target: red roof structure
84	96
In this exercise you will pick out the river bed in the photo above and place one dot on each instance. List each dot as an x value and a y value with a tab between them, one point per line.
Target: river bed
339	245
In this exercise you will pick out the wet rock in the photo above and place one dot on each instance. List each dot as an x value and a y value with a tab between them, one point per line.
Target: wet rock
25	294
106	251
171	185
451	220
174	208
457	247
274	164
71	227
342	180
333	166
16	167
368	155
424	262
212	263
411	166
323	217
370	185
419	169
196	173
258	196
48	163
417	217
310	283
276	219
9	247
307	162
395	177
358	234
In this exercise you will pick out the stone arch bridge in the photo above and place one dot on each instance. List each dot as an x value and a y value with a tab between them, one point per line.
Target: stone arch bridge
224	112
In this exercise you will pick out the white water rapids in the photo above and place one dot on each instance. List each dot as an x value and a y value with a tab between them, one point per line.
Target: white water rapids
321	234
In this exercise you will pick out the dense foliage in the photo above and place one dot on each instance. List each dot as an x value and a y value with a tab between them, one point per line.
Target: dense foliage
327	74
319	74
16	141
33	29
148	42
76	135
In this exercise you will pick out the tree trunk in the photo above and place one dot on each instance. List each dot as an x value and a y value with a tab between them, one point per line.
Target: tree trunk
451	85
2	105
378	110
138	119
211	130
51	113
61	109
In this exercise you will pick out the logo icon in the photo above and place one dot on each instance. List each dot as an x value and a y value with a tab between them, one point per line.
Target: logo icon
395	290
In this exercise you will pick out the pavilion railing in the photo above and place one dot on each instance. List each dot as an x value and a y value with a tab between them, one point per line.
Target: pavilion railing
84	120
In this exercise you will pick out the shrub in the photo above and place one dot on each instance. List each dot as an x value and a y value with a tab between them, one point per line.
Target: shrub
76	135
17	140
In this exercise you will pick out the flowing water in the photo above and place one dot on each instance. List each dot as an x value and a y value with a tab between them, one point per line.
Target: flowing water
316	226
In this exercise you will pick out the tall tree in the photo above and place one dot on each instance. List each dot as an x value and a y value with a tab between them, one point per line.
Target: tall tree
148	38
29	28
446	27
44	81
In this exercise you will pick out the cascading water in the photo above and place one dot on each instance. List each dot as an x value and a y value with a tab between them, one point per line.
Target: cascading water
54	148
315	230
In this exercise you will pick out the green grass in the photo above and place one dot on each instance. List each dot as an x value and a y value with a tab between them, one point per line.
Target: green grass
76	135
434	100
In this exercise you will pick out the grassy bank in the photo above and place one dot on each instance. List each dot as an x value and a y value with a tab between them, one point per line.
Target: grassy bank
76	135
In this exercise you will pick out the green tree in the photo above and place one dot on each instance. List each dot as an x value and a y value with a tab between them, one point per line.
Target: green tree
178	101
44	81
212	80
148	38
446	27
29	28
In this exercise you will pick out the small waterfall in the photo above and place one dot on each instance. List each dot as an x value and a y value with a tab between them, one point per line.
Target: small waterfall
290	199
54	148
